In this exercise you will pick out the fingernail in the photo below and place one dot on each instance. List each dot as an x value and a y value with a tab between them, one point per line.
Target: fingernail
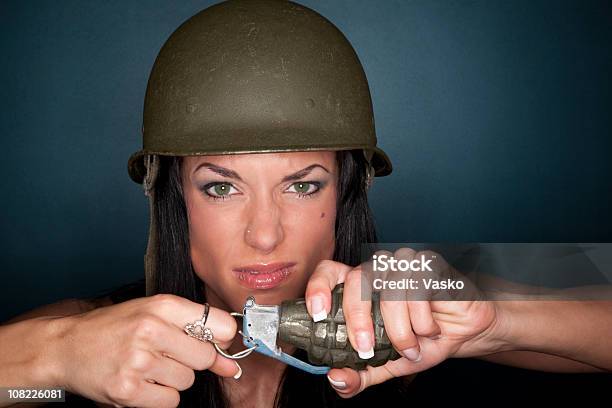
318	309
365	348
339	385
413	354
239	373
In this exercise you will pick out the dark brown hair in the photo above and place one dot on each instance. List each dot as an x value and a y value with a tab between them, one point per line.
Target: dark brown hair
354	226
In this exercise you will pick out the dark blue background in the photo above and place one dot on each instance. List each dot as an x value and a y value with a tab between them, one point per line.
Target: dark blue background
497	116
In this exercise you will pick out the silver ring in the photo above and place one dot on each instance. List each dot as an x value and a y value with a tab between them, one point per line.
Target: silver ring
197	329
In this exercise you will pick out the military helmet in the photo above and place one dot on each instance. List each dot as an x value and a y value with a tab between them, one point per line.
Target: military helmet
257	76
253	76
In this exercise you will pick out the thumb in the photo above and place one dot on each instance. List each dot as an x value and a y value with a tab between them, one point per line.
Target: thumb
348	382
345	381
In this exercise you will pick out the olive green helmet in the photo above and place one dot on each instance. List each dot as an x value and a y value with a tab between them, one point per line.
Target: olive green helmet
255	76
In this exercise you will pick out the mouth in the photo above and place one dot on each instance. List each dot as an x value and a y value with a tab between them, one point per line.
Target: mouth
263	276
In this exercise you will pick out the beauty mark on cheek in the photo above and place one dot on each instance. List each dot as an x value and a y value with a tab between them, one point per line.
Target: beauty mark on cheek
322	215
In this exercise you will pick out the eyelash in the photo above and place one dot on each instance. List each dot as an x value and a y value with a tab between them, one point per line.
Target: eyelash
317	185
206	187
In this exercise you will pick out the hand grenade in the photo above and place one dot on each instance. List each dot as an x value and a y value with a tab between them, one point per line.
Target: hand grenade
327	341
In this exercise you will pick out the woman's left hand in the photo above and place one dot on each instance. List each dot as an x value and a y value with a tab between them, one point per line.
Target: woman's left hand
425	333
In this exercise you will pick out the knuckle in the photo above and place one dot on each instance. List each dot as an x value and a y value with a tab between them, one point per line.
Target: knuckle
426	253
402	339
364	376
353	276
174	398
148	326
140	361
329	268
123	390
228	328
428	331
357	310
163	301
358	319
317	287
206	360
324	265
327	263
231	328
424	327
405	253
189	380
438	262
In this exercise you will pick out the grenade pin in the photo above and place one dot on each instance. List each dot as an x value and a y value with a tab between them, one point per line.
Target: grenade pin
260	327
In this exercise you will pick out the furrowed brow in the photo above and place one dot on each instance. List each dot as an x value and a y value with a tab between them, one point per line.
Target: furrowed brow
302	173
222	171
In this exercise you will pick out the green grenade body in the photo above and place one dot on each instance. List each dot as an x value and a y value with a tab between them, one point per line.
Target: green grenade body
327	341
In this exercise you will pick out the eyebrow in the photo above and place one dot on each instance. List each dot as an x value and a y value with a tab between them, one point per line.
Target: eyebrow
302	173
222	171
225	172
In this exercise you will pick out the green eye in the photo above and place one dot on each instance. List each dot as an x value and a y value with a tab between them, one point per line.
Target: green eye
219	190
222	189
302	188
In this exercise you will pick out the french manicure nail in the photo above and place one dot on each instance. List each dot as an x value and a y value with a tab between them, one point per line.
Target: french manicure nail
318	309
340	385
413	354
239	373
365	348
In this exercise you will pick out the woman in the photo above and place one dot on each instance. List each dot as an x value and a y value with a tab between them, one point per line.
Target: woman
240	77
259	147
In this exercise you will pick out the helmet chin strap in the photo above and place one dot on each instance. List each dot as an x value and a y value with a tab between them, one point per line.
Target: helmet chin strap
369	176
152	167
369	168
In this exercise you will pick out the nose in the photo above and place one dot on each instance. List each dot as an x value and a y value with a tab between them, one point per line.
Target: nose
264	231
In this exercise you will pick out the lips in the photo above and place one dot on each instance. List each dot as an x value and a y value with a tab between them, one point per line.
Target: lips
263	276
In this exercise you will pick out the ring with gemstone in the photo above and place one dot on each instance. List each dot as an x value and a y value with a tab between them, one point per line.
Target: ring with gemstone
197	329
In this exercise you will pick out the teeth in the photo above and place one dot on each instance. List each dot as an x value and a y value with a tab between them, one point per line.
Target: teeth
243	274
283	271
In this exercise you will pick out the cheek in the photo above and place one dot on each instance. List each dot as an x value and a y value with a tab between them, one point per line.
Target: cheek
213	234
314	231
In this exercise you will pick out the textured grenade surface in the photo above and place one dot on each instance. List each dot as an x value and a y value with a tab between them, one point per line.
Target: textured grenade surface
327	341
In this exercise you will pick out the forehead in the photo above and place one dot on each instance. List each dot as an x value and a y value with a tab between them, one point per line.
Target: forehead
278	161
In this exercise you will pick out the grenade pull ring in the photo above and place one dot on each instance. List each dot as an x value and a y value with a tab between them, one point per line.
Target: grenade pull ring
260	325
245	340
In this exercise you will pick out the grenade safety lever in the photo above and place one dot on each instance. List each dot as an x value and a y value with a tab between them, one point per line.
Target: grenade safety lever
326	342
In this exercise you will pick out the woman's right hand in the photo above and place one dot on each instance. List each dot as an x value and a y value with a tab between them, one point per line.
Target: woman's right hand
136	353
424	333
